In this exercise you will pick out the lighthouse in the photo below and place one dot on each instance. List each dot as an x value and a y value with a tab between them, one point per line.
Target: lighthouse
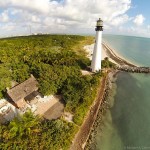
96	58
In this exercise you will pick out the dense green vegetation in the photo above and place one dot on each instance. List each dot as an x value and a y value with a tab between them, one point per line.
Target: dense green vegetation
56	62
79	93
30	132
50	58
107	64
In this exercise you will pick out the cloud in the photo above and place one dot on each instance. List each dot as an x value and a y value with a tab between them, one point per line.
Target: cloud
119	20
4	17
8	27
135	30
66	15
148	27
41	6
85	10
139	19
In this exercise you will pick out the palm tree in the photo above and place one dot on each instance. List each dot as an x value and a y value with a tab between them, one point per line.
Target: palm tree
24	125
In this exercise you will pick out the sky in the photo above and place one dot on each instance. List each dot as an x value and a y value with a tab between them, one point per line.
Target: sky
24	17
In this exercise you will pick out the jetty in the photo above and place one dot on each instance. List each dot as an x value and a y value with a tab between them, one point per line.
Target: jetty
134	69
110	52
122	64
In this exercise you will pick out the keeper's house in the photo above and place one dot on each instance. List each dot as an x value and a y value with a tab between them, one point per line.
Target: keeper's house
22	92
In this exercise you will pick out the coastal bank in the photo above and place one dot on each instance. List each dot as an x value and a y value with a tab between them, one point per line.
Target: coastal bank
85	135
90	145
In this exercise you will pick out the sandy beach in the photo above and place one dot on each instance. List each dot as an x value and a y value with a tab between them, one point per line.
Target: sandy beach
113	55
89	49
110	53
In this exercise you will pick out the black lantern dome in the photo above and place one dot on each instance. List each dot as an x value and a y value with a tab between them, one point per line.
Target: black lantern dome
99	25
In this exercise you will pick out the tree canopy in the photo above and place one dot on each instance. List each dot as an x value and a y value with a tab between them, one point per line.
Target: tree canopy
50	58
56	62
31	132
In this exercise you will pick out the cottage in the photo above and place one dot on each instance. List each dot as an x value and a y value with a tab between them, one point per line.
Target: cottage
21	92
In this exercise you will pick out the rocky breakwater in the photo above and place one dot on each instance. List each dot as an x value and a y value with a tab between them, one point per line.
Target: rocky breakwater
115	57
134	69
81	138
102	109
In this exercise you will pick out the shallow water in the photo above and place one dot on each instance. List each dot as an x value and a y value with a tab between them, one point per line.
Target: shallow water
135	49
126	125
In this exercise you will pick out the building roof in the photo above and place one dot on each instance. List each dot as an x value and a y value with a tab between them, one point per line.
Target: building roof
23	89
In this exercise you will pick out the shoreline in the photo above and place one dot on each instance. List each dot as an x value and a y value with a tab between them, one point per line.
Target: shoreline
113	56
103	108
84	136
117	58
84	132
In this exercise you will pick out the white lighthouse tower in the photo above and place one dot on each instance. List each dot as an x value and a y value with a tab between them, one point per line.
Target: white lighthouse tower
96	58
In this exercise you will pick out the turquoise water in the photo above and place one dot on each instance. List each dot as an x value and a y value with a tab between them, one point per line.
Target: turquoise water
135	49
126	125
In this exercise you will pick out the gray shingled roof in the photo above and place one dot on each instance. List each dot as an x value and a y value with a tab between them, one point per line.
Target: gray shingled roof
23	89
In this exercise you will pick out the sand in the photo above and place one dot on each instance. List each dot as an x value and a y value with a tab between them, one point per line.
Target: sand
116	57
110	53
89	49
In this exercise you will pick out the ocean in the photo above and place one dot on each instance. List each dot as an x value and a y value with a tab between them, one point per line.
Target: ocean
126	124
